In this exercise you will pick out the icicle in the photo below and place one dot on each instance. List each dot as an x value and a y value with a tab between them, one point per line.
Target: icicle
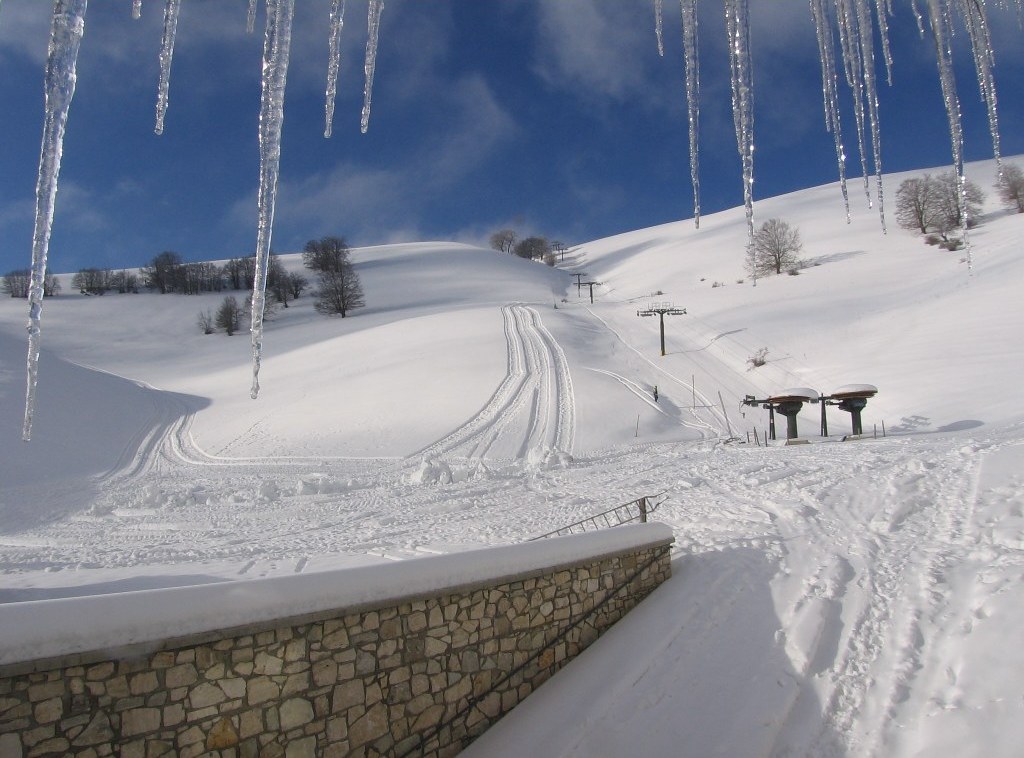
250	22
737	18
984	60
884	10
848	39
917	17
867	52
944	59
333	61
689	12
166	54
372	30
657	27
830	97
276	46
59	85
136	9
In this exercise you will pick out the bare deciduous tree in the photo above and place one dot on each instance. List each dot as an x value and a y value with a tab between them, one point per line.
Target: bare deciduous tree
340	291
297	283
776	246
205	321
948	214
503	240
93	281
229	315
915	203
1011	187
533	248
326	254
16	282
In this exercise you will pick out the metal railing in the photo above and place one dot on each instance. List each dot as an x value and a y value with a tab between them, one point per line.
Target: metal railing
635	511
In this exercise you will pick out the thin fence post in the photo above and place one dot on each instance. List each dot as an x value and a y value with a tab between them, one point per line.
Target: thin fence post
643	510
725	413
883	427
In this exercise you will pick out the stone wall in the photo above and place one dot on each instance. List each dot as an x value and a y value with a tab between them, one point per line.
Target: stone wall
422	676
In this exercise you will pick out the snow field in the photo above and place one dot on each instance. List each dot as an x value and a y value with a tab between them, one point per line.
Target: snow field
858	598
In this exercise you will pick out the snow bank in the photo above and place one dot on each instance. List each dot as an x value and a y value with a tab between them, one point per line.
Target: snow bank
44	629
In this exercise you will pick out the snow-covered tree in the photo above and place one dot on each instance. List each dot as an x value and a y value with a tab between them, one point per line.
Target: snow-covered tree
1011	187
777	246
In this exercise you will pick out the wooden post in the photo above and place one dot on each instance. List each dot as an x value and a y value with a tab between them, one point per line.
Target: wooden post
643	510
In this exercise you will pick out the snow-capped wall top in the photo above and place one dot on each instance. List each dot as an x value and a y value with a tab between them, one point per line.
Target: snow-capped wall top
49	628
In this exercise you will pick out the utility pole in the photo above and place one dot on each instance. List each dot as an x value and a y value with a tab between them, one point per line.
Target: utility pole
579	281
591	285
661	310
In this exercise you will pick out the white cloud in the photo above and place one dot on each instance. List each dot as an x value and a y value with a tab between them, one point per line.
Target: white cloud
594	48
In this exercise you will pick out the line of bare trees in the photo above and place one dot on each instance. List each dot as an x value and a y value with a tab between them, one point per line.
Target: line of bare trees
18	282
931	204
534	248
168	273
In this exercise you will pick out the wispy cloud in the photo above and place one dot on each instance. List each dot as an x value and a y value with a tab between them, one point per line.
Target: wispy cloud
368	204
594	48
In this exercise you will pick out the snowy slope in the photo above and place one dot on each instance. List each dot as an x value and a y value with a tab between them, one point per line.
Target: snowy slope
860	598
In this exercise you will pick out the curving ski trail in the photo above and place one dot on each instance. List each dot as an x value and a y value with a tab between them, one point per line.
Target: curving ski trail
533	407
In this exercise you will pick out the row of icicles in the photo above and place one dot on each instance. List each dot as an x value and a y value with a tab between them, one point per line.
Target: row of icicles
854	22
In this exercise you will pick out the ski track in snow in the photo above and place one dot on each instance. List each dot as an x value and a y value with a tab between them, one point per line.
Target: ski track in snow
537	385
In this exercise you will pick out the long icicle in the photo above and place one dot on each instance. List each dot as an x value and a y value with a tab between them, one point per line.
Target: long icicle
976	21
166	55
883	10
658	27
276	45
59	85
136	9
867	55
830	94
250	21
848	33
944	59
372	32
738	28
689	13
337	23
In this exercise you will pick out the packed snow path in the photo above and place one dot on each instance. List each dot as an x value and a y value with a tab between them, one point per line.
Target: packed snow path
533	408
826	601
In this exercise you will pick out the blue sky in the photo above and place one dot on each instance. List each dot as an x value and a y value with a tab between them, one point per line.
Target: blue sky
555	117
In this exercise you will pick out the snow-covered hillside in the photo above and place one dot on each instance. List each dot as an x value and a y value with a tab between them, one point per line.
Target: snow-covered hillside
858	598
